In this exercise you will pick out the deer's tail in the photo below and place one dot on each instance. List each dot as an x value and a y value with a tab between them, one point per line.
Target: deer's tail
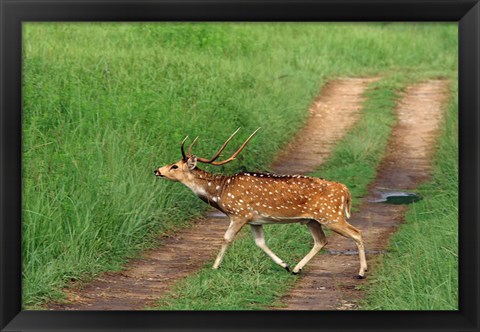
348	203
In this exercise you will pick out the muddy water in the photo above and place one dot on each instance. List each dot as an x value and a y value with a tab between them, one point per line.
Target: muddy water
327	283
146	279
396	197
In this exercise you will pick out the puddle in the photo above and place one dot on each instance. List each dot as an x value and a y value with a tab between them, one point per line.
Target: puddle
396	197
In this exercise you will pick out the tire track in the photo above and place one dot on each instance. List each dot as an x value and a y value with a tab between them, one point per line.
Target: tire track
332	115
145	279
328	283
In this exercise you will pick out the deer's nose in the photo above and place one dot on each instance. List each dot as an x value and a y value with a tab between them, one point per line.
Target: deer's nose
157	172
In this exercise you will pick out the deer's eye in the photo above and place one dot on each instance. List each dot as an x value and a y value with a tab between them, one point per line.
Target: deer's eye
174	167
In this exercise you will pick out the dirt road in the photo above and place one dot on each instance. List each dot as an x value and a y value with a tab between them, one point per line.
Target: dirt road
327	283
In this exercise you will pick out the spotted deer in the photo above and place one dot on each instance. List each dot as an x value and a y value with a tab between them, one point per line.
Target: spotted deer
261	198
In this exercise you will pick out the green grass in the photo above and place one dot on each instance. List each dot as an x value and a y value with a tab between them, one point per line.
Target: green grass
420	272
105	103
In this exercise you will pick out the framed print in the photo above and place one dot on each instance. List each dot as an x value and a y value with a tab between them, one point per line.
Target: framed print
341	135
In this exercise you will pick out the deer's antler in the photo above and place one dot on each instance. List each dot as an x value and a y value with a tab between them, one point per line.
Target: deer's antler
217	154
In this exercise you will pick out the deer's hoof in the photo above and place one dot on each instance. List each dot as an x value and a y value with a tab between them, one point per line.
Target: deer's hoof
287	268
295	273
359	277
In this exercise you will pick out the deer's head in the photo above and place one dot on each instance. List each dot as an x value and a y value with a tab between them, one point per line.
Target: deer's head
182	169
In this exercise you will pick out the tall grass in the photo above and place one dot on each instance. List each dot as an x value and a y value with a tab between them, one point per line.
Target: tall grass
420	272
105	103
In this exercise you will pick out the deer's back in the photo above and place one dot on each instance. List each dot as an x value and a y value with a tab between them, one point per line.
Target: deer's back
261	196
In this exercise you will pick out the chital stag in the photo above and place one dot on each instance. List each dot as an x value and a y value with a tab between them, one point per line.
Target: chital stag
259	198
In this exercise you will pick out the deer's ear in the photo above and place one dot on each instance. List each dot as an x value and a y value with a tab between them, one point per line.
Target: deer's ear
192	162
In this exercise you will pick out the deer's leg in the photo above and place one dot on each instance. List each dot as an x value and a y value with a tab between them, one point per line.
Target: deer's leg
319	241
259	237
233	229
355	234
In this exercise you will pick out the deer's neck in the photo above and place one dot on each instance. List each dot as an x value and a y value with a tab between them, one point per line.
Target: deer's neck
206	185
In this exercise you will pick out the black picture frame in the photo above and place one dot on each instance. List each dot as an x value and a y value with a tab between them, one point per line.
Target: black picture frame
15	12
